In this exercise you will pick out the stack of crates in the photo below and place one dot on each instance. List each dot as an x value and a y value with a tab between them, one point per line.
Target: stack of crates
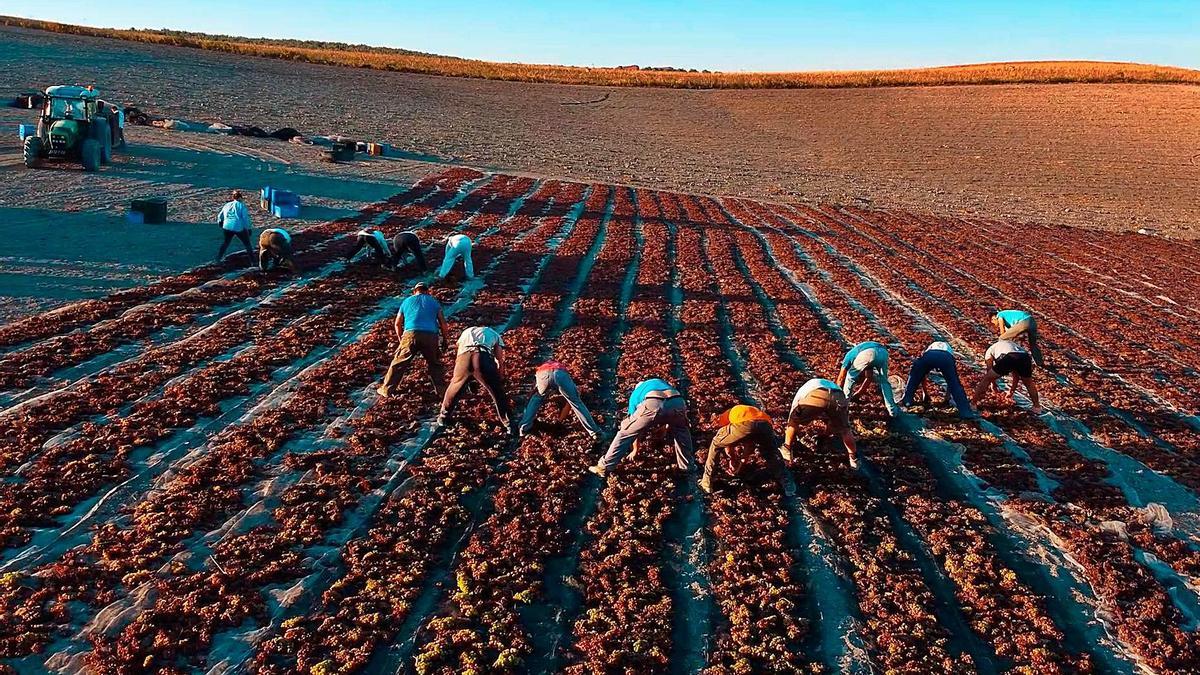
281	203
26	130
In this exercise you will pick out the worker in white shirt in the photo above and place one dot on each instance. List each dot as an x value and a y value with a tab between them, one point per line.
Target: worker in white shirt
815	400
1006	357
275	247
480	356
234	220
457	246
374	240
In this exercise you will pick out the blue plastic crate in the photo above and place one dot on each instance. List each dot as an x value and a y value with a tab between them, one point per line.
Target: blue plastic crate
286	210
135	217
24	130
284	198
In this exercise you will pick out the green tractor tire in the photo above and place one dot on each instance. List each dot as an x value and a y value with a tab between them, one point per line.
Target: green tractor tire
89	154
31	152
102	134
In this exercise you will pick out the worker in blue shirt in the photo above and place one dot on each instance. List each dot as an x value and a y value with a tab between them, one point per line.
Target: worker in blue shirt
234	220
653	403
938	356
867	361
1013	323
421	328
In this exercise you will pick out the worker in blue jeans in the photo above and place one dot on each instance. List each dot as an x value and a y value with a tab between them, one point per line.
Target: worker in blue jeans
940	357
867	361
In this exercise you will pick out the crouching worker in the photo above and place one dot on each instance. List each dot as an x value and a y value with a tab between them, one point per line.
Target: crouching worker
653	403
820	399
408	243
480	356
552	379
457	246
1008	358
275	248
1013	323
740	426
940	357
865	362
421	329
374	240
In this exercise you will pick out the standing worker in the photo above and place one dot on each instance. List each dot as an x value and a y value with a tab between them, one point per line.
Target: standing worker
408	242
457	246
816	399
940	357
1011	324
374	240
867	361
275	247
1006	357
234	220
739	426
480	356
550	379
653	403
421	329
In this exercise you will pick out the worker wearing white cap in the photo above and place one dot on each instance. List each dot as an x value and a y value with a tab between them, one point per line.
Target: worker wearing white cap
374	240
938	356
457	246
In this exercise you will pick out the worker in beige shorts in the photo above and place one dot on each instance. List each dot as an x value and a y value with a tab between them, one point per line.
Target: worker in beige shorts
820	399
275	248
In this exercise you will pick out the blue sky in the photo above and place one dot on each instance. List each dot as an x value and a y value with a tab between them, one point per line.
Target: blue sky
748	35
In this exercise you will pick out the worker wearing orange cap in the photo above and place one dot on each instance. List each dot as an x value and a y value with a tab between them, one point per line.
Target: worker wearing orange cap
739	426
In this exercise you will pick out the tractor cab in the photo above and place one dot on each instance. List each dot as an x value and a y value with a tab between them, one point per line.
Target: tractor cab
74	125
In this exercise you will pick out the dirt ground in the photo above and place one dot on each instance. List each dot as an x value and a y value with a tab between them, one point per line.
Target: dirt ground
1111	156
64	235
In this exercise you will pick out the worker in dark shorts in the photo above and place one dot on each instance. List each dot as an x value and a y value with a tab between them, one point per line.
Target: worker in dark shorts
374	240
820	399
234	220
408	243
740	426
1011	324
654	403
274	249
1006	357
940	357
480	356
421	329
552	379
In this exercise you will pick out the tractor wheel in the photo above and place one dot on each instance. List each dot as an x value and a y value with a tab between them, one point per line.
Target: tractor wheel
103	136
90	155
32	151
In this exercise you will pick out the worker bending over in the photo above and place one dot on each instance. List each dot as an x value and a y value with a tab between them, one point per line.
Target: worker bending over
1006	357
740	426
940	357
820	399
408	243
552	379
275	248
652	404
1011	324
480	356
234	220
457	246
865	362
374	240
421	329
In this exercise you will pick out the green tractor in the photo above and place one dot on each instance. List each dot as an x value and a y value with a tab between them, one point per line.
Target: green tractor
75	125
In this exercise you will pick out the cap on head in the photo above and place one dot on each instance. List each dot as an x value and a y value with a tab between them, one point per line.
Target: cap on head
420	286
237	194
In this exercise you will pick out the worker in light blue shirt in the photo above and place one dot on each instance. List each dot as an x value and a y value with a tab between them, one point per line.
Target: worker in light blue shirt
864	362
234	220
421	329
653	403
1013	323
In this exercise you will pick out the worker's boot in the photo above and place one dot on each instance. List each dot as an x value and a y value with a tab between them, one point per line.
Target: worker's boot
785	451
599	471
706	486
